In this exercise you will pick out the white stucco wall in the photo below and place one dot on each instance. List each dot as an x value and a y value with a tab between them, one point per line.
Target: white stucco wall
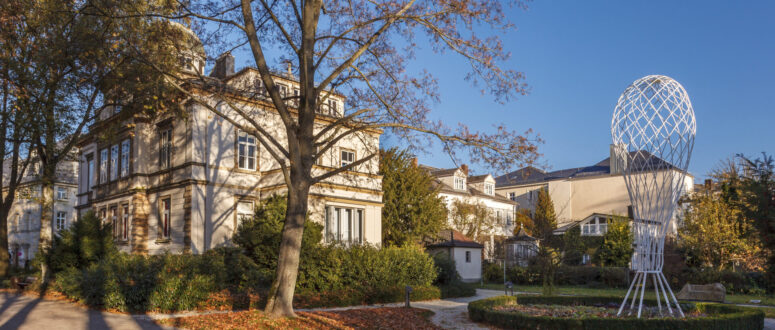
469	271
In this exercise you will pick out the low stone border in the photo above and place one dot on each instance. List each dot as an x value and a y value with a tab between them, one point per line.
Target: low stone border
726	316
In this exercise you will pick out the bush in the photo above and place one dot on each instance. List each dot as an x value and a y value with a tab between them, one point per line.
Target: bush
457	290
85	242
137	283
493	273
446	269
723	316
352	297
570	275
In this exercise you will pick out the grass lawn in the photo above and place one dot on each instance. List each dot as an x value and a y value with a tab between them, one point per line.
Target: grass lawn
371	318
767	300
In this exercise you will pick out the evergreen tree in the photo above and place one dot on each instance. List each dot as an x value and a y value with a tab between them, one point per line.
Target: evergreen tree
759	204
572	247
545	220
413	210
617	244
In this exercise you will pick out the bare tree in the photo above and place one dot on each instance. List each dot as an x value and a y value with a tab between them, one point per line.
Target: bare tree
360	49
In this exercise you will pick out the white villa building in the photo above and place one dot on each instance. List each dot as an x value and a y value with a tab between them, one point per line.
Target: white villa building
24	218
583	196
183	183
456	184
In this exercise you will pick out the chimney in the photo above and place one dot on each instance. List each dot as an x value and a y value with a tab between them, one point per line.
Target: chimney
224	66
414	161
708	185
464	167
618	159
290	69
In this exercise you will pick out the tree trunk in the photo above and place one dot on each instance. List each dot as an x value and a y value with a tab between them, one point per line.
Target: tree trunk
46	218
5	260
280	302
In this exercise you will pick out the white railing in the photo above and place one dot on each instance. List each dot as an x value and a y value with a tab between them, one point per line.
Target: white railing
594	229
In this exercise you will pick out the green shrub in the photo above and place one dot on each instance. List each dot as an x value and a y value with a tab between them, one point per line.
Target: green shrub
446	269
457	290
721	316
493	273
352	297
85	242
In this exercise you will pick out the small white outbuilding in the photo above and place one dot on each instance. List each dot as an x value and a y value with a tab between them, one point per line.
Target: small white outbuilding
466	252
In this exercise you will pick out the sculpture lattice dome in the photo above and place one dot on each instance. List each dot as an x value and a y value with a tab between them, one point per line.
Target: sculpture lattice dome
653	131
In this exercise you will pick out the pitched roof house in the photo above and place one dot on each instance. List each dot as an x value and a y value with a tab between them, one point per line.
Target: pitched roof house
183	183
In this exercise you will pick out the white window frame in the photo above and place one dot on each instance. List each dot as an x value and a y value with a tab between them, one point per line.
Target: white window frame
89	174
460	182
489	189
61	193
114	151
125	222
165	148
350	231
104	165
512	196
342	159
125	150
165	215
60	222
247	151
245	210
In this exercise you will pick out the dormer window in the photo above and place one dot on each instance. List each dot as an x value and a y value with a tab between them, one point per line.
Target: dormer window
489	189
460	182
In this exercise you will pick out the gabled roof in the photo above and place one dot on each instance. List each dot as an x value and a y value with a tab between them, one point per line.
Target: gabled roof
567	226
469	191
478	178
531	174
454	238
522	236
439	172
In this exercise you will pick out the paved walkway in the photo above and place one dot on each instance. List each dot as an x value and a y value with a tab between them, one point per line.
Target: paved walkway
26	312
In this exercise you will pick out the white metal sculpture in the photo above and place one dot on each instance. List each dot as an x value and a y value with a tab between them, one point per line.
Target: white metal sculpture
653	131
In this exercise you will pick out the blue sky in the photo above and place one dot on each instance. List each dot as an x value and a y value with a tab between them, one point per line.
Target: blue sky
578	56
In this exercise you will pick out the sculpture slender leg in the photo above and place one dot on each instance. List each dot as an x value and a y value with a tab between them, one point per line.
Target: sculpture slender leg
642	290
635	279
677	306
659	303
667	301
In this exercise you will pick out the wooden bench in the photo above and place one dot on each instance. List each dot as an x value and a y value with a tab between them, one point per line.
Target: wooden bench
22	284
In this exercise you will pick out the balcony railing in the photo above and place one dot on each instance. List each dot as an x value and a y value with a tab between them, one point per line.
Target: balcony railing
592	229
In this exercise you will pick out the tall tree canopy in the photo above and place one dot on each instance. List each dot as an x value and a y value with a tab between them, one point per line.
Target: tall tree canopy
363	50
473	219
413	209
544	218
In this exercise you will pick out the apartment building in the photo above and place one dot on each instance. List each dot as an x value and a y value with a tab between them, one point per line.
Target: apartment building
583	196
24	218
183	183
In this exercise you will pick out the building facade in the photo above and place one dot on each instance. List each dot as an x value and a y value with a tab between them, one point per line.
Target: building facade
583	195
456	185
183	182
24	218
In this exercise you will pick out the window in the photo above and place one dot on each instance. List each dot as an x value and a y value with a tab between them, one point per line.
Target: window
61	221
61	193
348	157
489	188
332	107
104	165
297	99
104	215
114	220
89	174
259	86
246	151
499	217
165	148
165	218
245	211
114	162
14	223
508	218
125	222
460	183
468	256
125	158
344	225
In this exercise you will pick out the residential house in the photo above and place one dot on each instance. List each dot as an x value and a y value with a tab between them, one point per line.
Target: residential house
24	217
583	196
466	253
520	248
455	184
184	182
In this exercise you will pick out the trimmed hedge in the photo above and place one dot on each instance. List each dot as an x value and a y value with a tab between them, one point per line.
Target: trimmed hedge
570	275
729	317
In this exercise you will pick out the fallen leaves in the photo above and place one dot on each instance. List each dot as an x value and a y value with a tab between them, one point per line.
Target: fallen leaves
366	318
